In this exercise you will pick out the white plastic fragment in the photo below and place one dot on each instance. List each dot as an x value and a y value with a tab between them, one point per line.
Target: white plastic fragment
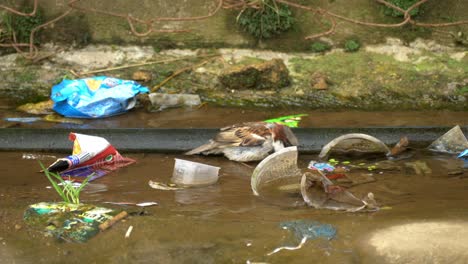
279	165
129	231
276	250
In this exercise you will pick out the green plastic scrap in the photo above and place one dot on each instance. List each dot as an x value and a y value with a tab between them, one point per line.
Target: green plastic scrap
290	120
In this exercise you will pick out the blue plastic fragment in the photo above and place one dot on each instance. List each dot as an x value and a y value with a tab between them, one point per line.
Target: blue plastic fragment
310	229
320	166
463	154
95	97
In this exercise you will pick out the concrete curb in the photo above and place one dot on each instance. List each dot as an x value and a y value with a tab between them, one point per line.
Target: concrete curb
179	140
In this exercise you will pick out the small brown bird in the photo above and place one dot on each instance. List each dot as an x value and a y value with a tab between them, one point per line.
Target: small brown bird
251	141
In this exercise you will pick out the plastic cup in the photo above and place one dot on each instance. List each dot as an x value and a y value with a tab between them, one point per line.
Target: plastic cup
189	173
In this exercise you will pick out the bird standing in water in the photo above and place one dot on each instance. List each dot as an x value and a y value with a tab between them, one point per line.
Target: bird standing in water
251	141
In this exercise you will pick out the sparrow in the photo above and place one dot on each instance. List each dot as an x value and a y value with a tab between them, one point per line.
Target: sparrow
250	141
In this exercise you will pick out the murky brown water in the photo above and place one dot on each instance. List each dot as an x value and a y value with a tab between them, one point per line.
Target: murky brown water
223	223
211	117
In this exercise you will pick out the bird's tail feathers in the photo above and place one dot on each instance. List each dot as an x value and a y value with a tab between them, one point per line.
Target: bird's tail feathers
203	148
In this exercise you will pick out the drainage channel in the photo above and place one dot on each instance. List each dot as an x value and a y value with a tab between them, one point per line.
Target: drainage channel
178	140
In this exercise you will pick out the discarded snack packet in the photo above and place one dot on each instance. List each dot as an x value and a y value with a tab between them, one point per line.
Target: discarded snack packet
91	155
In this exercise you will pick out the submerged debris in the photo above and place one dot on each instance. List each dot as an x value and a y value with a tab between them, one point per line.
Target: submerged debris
320	192
68	222
305	230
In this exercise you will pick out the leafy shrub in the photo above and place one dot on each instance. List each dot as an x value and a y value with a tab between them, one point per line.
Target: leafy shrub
268	20
352	45
403	4
320	47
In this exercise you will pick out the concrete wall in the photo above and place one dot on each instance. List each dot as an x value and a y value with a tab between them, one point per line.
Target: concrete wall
221	29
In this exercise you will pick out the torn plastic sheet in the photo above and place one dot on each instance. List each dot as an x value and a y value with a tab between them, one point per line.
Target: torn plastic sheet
95	97
321	193
68	222
305	230
91	155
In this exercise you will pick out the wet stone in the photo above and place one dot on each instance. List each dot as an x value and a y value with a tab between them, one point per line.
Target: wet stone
272	74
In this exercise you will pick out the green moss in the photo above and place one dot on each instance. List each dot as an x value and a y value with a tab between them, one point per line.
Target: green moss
352	45
22	26
267	21
320	47
403	4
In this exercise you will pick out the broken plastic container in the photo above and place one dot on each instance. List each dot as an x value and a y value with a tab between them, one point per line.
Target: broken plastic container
280	169
354	143
453	142
189	173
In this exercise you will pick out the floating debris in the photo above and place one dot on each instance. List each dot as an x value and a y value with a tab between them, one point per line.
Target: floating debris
68	222
276	167
290	121
164	186
354	143
91	155
321	193
453	142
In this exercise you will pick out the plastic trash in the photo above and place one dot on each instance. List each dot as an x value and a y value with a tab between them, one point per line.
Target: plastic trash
321	193
91	155
305	230
279	167
313	165
163	101
463	154
68	222
163	186
453	142
354	143
189	173
95	97
290	121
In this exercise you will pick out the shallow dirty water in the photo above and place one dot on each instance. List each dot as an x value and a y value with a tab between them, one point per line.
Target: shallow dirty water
225	222
212	117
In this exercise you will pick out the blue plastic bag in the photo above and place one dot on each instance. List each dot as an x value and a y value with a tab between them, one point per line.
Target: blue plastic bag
95	97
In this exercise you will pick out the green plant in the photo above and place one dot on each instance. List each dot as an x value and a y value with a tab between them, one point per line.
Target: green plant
403	4
65	189
269	19
320	47
22	26
352	45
